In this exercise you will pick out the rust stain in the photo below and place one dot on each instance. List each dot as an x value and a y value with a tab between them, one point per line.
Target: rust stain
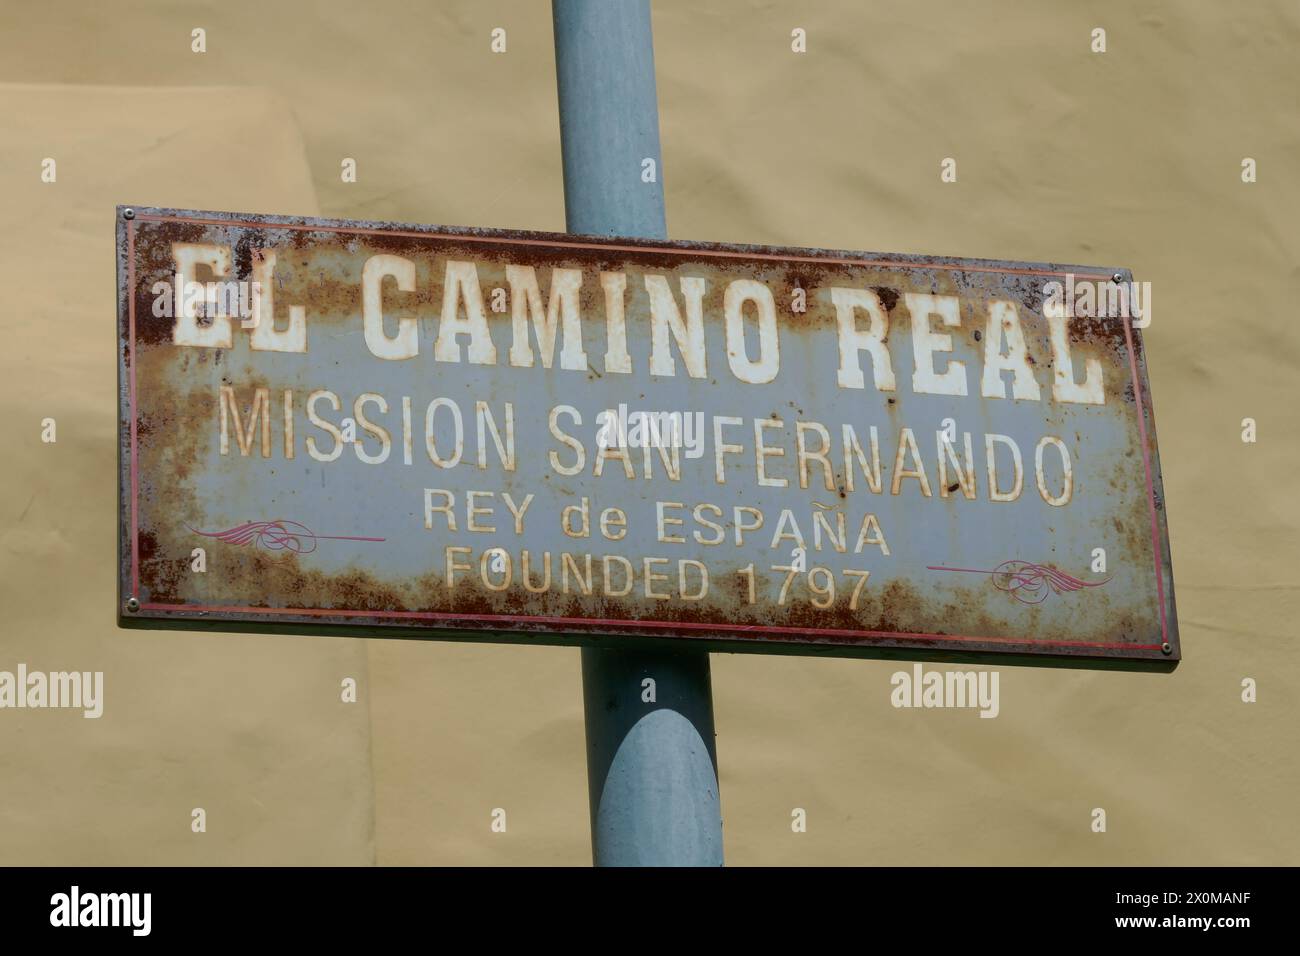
179	484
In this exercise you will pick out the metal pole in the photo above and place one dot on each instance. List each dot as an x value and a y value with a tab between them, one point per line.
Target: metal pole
652	770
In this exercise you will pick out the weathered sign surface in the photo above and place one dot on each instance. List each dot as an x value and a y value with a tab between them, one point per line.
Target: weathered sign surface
458	433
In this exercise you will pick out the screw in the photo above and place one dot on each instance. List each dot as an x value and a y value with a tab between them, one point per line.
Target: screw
1117	277
128	213
132	604
1167	648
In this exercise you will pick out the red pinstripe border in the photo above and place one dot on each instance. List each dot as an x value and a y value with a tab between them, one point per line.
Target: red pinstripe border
135	490
719	253
632	625
1146	465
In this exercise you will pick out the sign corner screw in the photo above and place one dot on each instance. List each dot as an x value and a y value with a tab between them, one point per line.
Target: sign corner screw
128	213
1166	648
1117	278
132	604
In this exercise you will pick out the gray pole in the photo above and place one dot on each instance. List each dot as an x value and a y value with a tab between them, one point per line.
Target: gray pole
652	770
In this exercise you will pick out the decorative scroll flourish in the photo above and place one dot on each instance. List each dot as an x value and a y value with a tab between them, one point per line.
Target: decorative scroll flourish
277	535
1028	583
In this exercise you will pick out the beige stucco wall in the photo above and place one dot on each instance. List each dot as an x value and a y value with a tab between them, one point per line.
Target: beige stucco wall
1129	157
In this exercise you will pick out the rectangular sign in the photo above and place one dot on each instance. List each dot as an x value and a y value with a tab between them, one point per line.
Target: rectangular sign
423	431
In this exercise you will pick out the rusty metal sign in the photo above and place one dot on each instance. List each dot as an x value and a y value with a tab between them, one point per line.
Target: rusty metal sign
414	431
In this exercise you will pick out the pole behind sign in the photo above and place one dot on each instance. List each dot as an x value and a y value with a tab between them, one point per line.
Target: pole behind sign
651	762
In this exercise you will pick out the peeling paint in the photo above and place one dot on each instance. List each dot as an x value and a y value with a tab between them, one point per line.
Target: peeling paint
293	539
